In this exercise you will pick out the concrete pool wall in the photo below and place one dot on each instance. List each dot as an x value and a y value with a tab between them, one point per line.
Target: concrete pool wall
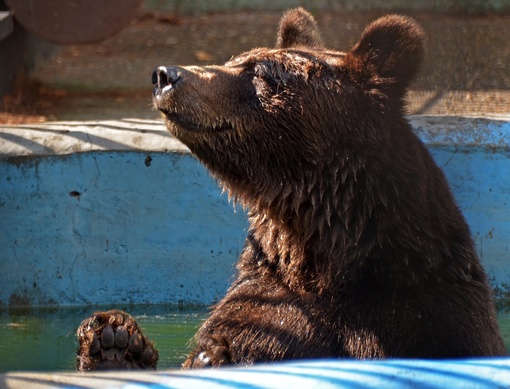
117	212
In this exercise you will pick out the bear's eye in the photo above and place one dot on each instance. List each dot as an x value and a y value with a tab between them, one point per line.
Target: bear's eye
267	85
263	69
259	70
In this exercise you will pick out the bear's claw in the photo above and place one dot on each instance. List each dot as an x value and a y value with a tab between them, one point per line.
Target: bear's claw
113	340
214	353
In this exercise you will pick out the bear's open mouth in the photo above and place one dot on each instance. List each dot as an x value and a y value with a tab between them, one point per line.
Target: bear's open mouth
194	126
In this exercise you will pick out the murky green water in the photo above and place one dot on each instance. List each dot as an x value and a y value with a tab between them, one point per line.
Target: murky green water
44	339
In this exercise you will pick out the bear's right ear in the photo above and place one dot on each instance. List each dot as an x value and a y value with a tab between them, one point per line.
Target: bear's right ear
389	52
298	28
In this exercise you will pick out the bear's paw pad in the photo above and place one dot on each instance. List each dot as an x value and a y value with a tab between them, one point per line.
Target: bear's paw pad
113	340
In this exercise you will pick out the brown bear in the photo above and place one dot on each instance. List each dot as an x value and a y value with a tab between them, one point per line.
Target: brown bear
356	247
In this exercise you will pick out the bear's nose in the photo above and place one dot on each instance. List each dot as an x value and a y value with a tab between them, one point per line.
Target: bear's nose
165	78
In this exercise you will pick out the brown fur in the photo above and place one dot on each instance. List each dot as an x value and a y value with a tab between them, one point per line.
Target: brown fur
356	247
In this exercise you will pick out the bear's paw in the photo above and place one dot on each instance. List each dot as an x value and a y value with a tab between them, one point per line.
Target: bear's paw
214	352
113	340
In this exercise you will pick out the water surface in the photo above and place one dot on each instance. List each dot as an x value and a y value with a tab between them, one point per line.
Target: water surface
43	339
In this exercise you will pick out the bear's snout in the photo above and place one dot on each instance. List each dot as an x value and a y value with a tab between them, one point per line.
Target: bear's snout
165	79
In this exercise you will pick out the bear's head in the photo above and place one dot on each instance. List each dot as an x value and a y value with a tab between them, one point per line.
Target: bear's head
312	141
269	118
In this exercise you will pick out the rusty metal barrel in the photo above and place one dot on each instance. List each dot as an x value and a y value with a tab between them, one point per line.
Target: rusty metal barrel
72	22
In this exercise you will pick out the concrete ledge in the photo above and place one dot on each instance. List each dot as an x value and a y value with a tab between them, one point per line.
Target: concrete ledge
61	138
458	131
119	212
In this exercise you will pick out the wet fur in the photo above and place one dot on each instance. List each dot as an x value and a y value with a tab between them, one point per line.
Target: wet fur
356	247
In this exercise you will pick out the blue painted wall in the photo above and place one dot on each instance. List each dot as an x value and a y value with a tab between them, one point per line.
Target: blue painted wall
480	180
146	226
161	233
474	153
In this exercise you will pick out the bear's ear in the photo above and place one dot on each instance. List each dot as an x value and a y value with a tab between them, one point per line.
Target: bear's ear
390	51
298	28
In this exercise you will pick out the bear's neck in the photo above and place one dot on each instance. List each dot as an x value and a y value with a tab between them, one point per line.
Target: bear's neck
319	226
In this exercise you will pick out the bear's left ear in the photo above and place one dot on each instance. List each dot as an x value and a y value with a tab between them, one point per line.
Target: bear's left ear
298	28
390	51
